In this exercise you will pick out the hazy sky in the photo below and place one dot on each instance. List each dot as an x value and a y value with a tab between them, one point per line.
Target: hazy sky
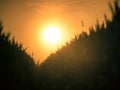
26	19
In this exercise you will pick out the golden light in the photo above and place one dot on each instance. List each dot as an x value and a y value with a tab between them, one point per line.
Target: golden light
52	34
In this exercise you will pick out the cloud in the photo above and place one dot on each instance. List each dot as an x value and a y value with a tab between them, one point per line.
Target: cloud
55	6
65	2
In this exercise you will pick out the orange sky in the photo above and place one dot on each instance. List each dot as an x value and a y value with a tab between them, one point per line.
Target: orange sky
27	19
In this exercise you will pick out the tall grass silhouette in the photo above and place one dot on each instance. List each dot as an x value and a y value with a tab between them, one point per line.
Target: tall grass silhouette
16	66
85	63
88	62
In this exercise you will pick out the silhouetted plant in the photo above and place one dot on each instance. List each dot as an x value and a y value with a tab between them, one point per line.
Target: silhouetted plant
88	62
16	66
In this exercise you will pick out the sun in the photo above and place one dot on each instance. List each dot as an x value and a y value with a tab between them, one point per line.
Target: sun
52	34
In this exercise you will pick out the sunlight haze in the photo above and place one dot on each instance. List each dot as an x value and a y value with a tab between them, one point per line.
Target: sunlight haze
52	34
28	20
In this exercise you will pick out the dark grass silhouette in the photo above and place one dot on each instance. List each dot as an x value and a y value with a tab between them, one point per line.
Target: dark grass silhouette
16	66
88	62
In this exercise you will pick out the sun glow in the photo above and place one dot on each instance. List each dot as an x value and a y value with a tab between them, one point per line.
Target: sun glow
52	34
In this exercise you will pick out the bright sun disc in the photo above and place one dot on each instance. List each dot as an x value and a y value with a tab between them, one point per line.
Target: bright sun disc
52	34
